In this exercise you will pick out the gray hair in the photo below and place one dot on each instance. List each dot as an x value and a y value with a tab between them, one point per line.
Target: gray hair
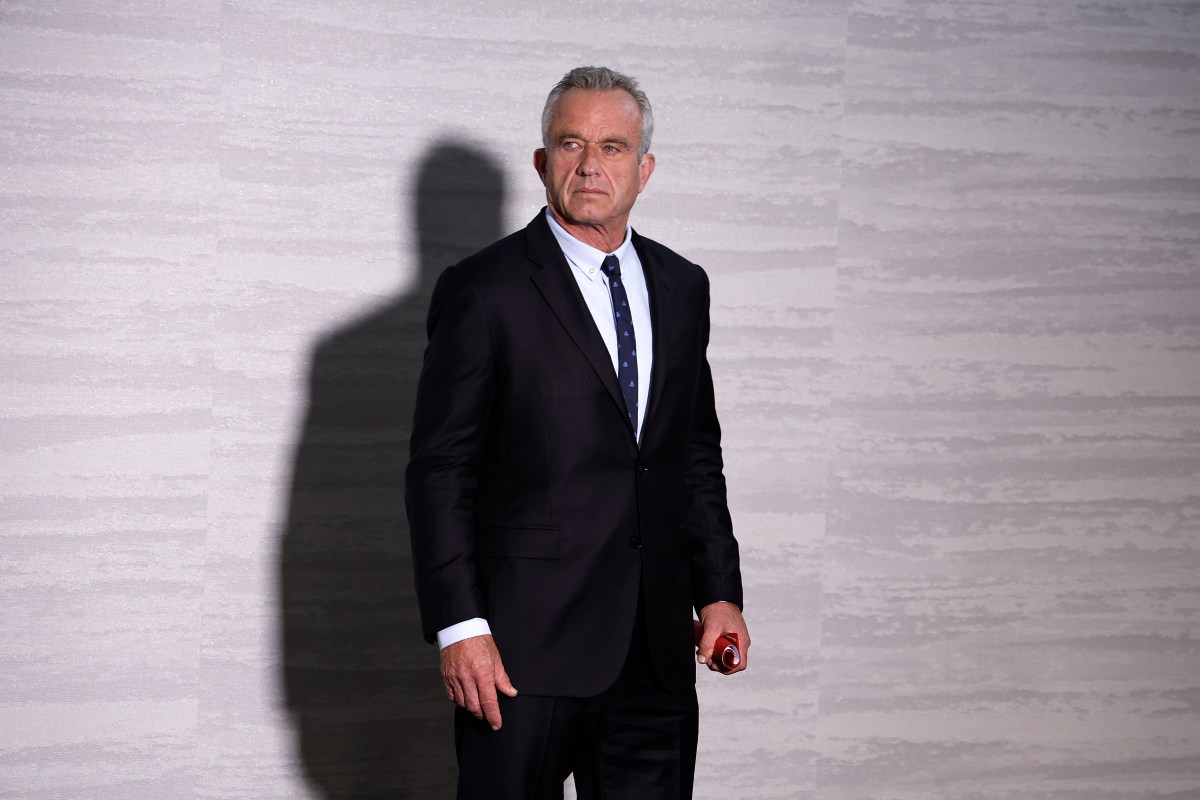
605	80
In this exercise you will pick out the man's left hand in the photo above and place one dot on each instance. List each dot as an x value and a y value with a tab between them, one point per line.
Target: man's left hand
718	618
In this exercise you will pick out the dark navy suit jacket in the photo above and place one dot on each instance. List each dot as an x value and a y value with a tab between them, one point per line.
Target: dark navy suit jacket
530	501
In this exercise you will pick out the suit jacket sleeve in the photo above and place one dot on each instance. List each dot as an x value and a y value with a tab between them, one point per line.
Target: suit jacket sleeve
715	565
453	398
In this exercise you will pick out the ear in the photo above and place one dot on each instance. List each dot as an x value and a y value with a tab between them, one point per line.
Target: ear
645	170
539	163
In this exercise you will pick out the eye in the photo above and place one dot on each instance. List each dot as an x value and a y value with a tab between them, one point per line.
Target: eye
611	148
569	145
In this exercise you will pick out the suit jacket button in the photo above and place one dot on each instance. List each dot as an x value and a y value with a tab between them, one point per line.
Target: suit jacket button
635	542
643	470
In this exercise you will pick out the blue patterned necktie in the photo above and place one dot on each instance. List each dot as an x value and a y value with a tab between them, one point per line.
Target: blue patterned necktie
627	371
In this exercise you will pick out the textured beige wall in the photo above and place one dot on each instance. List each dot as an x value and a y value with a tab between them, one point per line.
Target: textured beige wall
955	251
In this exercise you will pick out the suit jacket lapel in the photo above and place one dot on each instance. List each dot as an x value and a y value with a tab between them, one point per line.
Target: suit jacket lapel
659	288
558	287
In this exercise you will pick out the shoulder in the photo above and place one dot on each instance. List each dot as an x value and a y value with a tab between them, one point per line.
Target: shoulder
485	272
511	260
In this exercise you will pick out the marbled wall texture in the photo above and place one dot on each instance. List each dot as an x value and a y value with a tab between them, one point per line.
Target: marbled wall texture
955	251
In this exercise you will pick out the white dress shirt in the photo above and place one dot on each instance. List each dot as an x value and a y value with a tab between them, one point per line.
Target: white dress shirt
585	262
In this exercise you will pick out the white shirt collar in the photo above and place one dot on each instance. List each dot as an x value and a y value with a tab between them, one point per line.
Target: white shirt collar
584	257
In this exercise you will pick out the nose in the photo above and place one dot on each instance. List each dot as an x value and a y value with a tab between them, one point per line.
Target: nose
589	164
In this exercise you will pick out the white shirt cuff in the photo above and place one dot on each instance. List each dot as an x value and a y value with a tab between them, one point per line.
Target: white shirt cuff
476	626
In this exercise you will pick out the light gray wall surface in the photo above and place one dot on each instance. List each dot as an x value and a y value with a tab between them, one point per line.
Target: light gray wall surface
955	255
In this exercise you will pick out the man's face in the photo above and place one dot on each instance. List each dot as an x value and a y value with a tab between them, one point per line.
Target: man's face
590	164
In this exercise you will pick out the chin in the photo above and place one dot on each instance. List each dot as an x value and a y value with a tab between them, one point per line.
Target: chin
589	212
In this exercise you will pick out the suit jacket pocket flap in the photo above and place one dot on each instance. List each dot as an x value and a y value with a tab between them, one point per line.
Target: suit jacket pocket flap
515	542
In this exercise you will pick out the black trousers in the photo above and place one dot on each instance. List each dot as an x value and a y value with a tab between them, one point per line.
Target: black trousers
634	741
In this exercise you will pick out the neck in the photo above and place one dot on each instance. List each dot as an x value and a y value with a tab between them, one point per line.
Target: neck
605	238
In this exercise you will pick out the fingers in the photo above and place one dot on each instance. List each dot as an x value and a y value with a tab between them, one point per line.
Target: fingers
502	681
489	706
453	690
471	672
704	650
716	619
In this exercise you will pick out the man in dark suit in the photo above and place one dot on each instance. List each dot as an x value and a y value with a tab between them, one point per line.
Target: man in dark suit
565	488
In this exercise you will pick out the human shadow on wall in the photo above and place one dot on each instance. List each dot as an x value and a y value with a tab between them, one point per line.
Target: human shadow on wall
361	685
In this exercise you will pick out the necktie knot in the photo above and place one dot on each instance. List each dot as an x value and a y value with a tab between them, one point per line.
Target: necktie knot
611	267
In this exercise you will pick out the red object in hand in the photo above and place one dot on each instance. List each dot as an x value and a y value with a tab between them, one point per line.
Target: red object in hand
727	654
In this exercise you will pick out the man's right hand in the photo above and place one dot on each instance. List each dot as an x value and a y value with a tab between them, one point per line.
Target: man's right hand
472	672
